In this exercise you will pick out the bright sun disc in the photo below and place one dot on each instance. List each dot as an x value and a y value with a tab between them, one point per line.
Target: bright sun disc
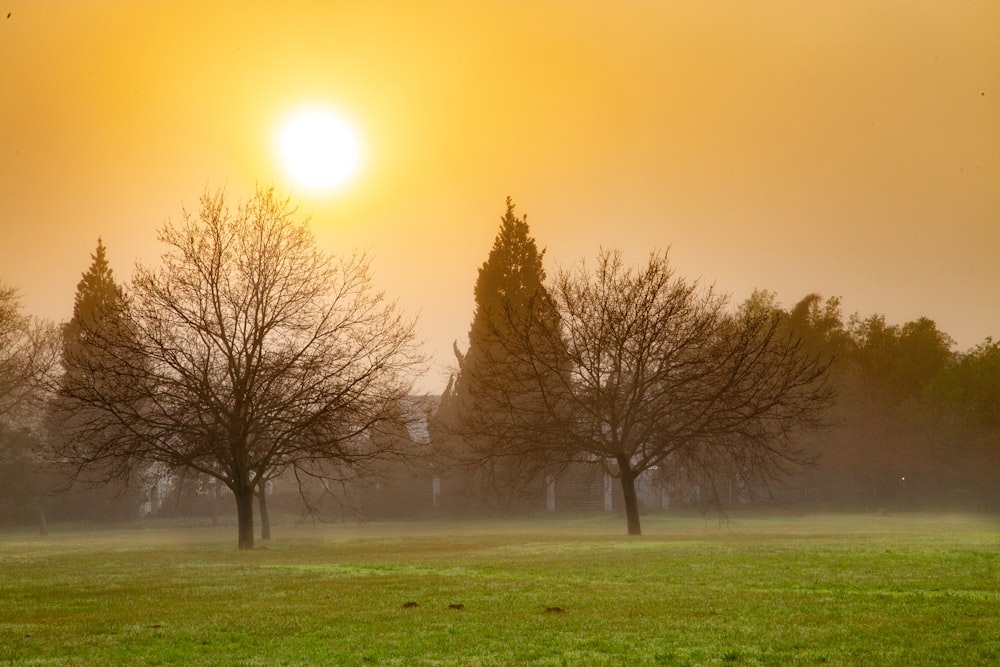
319	150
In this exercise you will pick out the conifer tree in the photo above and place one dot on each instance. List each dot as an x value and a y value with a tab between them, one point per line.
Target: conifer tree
100	367
495	390
509	280
99	354
98	306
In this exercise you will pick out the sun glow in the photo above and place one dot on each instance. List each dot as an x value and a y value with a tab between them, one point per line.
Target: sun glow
319	150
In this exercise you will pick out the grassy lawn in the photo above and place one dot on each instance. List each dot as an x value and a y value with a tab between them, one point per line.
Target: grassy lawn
858	590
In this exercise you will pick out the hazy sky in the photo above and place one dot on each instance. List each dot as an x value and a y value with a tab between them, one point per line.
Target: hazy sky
850	148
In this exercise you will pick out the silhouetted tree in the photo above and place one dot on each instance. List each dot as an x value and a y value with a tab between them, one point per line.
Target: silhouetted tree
972	385
494	385
28	354
962	404
820	325
101	364
99	308
23	482
897	362
884	443
635	368
246	351
29	351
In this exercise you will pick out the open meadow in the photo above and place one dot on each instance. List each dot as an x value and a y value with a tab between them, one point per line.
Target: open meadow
803	590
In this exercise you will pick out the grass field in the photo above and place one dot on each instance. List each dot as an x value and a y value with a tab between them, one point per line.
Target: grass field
858	590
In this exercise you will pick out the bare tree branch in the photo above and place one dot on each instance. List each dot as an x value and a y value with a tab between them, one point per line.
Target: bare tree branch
246	352
635	368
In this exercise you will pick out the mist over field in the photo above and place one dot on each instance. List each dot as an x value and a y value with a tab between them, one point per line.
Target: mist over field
742	261
144	409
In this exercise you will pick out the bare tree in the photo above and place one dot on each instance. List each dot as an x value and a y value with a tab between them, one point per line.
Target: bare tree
641	369
29	351
245	353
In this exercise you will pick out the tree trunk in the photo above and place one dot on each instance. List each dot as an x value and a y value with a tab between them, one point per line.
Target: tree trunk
265	519
627	476
43	526
244	515
215	502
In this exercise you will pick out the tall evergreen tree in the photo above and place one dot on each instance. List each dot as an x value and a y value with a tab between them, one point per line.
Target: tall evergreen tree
96	372
509	280
98	305
493	384
92	355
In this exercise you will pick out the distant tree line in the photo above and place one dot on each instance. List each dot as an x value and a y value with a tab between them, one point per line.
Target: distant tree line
634	370
916	423
248	356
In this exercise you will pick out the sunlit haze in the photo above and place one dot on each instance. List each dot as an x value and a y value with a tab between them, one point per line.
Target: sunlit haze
847	148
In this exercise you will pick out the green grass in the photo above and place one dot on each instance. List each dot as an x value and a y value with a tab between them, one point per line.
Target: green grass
830	590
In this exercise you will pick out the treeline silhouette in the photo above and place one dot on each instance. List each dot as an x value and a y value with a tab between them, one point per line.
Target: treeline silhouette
916	423
911	422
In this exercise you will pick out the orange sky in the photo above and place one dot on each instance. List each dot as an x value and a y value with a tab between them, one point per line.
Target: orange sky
850	148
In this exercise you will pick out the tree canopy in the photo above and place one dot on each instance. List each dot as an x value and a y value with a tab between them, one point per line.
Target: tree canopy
246	352
28	353
473	414
634	368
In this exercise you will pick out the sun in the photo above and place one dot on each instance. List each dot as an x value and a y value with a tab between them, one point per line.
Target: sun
319	150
